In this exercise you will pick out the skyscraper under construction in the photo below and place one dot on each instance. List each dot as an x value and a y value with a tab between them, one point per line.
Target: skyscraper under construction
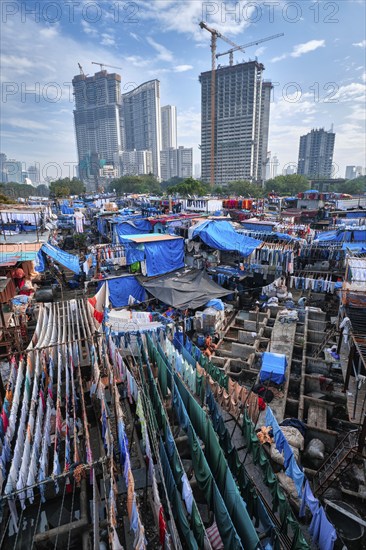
241	124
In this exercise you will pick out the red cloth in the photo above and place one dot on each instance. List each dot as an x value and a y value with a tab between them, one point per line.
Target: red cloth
162	527
5	421
261	404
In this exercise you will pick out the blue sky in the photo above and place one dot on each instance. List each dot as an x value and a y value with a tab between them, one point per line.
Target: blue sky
318	68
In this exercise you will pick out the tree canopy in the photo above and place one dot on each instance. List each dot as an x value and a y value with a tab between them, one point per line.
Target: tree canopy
136	184
171	182
4	199
15	191
65	187
356	186
189	186
243	188
287	185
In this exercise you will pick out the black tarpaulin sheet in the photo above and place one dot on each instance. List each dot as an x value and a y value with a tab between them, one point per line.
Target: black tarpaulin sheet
186	288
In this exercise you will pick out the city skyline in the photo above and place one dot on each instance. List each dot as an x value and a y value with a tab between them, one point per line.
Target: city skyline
317	69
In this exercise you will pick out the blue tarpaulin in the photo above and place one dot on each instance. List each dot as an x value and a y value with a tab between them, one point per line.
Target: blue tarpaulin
164	256
142	224
260	227
66	209
216	304
286	237
62	257
135	227
346	236
39	264
273	367
121	288
221	236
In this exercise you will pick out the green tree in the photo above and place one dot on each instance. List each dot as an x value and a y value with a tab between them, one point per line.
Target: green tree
171	182
189	186
220	191
15	190
356	186
42	190
4	199
136	184
244	189
287	185
65	187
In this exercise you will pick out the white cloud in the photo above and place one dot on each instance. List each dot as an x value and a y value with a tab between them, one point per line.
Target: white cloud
24	123
88	29
163	53
137	60
259	51
354	92
49	32
310	46
361	44
135	36
184	17
301	49
182	68
189	127
107	40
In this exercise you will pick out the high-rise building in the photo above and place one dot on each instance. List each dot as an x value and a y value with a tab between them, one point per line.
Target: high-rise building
97	118
34	174
168	127
135	163
142	121
168	163
316	154
185	162
197	170
353	172
242	105
3	173
13	170
176	162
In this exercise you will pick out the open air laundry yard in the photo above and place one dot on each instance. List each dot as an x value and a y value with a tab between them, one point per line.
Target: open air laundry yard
193	379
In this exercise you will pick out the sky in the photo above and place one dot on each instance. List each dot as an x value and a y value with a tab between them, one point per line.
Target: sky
317	68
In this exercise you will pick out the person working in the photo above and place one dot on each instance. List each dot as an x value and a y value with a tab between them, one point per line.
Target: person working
209	346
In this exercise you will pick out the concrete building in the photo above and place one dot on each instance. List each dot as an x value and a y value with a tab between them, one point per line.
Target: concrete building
97	119
168	127
197	170
142	121
13	171
242	101
185	162
168	163
135	163
176	162
316	154
353	172
34	174
3	174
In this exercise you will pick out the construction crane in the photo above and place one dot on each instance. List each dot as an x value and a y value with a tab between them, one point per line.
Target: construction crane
81	69
214	36
105	65
231	52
